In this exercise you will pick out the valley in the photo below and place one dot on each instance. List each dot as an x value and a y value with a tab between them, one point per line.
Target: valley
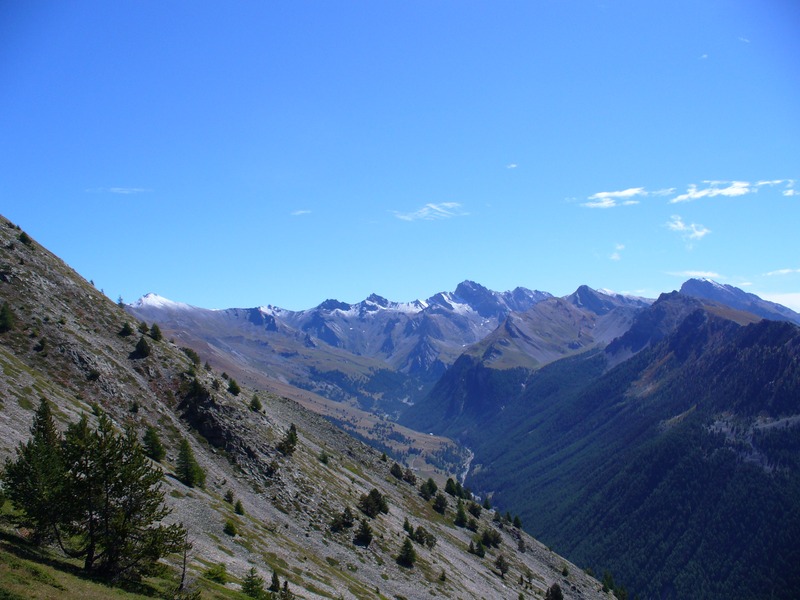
640	438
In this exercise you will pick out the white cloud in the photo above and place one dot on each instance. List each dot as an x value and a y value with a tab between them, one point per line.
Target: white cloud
744	40
612	199
616	255
297	213
782	272
791	193
703	56
701	274
432	212
713	189
689	232
511	166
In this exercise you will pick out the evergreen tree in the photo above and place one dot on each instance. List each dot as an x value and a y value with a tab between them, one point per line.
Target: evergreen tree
288	444
238	508
409	477
189	472
428	489
517	522
554	593
363	535
253	585
126	330
461	515
142	348
143	328
233	387
373	503
440	503
275	584
502	565
396	471
407	527
153	447
114	501
6	318
155	333
407	555
33	482
255	404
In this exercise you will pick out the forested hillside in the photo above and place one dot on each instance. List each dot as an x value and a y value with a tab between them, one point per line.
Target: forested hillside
676	470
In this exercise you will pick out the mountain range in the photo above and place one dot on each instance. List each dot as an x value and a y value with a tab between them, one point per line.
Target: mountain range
565	402
266	505
656	441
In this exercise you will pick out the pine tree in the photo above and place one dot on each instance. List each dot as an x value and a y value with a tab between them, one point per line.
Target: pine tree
155	333
238	508
189	472
114	501
363	535
440	503
126	330
253	585
461	515
34	481
6	318
502	565
407	555
428	489
288	444
142	348
554	593
275	584
255	404
153	447
233	387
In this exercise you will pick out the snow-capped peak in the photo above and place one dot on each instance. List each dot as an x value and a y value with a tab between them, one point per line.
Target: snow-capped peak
152	300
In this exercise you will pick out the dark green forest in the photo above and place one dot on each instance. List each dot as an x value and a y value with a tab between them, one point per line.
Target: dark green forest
677	470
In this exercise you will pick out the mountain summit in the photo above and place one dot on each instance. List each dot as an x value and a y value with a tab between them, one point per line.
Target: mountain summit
739	299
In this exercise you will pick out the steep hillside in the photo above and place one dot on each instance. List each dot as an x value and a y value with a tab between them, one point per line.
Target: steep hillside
67	342
677	469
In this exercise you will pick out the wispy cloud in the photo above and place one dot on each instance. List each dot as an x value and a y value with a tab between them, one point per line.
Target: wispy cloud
617	254
298	213
614	199
782	272
511	166
689	232
713	189
433	212
705	274
744	40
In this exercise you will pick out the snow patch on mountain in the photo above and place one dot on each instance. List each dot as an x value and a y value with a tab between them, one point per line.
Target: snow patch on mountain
152	300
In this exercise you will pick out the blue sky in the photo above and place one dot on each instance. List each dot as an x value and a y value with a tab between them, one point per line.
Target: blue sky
251	153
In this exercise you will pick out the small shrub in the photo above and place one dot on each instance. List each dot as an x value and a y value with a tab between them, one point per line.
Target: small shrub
229	528
218	573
